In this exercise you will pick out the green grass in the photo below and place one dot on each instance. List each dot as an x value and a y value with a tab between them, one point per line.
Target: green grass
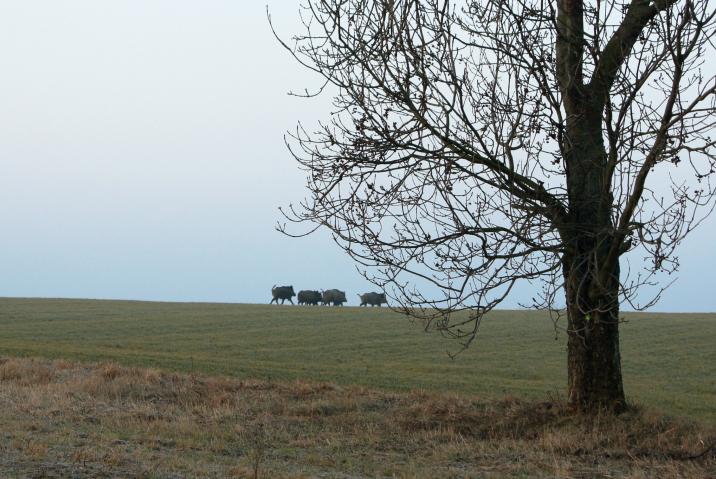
669	360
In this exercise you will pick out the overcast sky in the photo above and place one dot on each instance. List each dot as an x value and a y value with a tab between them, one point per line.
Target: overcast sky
142	157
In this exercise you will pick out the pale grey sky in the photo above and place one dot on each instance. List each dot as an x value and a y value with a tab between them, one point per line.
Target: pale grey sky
142	156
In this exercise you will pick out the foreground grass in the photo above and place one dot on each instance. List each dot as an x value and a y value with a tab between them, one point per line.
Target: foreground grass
669	360
66	419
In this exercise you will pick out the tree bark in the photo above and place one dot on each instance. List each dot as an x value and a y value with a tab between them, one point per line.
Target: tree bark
591	274
593	357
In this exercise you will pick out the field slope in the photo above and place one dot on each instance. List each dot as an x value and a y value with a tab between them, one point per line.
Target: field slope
669	359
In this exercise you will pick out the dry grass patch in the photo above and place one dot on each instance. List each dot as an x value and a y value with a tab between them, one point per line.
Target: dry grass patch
63	419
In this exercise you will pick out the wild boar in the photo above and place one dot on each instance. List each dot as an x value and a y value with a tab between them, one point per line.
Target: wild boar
334	297
283	293
374	299
309	297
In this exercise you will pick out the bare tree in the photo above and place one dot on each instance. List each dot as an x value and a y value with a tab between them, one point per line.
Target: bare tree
475	145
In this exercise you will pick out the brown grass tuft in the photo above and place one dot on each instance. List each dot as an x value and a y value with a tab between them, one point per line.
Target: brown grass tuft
75	420
26	372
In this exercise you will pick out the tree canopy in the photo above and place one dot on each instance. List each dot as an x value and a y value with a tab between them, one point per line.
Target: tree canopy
477	144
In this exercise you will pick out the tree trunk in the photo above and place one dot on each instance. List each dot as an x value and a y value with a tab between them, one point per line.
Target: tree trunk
593	358
591	273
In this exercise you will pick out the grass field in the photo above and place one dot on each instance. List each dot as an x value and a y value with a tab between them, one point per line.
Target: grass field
61	419
669	360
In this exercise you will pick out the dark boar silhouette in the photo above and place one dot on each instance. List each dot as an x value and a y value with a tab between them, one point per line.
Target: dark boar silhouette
334	297
309	297
283	293
374	299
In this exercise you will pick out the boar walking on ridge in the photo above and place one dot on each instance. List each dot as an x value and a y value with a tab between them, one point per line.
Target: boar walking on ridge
374	299
334	297
283	293
309	297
